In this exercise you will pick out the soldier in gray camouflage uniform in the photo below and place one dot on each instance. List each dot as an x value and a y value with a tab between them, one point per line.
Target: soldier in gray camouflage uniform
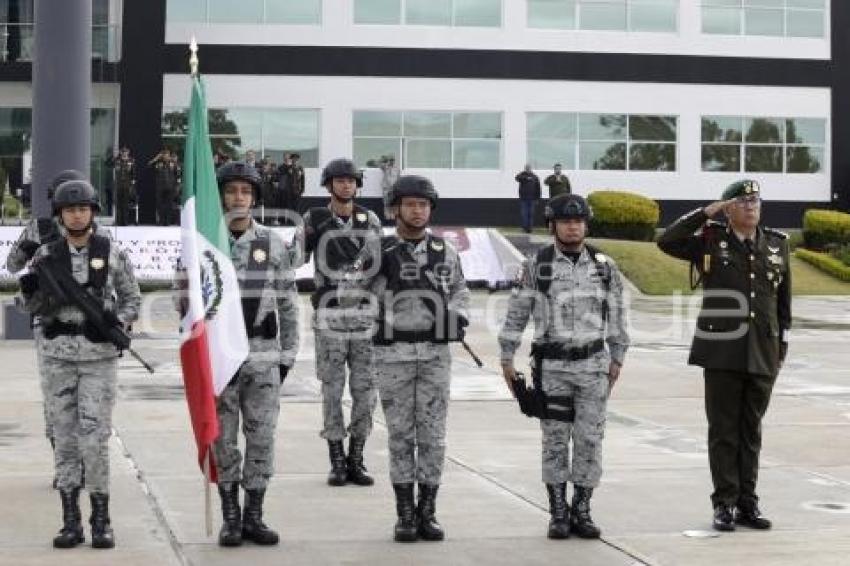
335	235
581	311
423	305
269	303
79	364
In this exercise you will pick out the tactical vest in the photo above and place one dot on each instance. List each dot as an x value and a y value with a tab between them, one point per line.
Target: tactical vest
340	251
252	284
543	265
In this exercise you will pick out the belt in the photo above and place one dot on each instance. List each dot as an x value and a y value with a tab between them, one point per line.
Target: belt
406	336
66	328
553	351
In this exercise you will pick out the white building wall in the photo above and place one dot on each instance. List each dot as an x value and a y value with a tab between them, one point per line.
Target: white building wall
338	97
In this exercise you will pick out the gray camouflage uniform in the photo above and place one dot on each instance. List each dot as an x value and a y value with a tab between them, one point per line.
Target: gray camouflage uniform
573	314
16	261
81	375
342	337
414	378
255	390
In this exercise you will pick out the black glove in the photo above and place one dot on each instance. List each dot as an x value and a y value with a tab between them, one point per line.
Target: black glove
457	324
29	284
284	370
29	248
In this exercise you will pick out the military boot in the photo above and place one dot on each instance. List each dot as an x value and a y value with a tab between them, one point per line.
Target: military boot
71	533
559	524
748	515
405	527
580	521
356	470
427	526
101	531
339	471
231	528
253	527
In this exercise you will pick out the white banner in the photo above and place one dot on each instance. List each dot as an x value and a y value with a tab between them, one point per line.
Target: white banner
155	250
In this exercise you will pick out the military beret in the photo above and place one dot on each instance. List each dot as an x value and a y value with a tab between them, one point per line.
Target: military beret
743	188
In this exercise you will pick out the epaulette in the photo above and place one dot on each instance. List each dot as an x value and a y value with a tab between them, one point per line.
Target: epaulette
713	228
778	233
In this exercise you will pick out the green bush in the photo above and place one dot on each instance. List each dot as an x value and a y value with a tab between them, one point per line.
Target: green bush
10	206
842	254
822	228
623	216
825	262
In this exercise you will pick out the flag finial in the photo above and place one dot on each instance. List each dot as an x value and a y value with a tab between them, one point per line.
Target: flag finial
193	58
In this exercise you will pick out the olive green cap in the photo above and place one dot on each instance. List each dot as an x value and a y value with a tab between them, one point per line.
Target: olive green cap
743	188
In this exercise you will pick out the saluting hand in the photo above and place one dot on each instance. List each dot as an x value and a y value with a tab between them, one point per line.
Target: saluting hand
712	209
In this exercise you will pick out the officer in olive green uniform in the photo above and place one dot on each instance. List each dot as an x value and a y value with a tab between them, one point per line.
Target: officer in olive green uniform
740	339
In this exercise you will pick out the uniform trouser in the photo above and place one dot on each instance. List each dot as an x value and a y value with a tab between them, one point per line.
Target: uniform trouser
415	398
82	395
526	212
255	393
44	382
122	205
334	350
735	403
590	398
164	207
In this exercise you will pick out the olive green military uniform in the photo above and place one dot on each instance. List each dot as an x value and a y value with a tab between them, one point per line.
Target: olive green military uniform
740	340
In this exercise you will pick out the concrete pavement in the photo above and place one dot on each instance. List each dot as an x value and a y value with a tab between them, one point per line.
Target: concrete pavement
653	504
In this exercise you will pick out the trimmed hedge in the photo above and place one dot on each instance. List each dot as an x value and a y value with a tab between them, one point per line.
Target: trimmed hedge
822	228
824	262
623	216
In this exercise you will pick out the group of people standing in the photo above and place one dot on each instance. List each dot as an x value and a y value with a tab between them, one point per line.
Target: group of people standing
531	193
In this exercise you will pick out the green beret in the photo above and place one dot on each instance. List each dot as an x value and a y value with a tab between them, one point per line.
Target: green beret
742	188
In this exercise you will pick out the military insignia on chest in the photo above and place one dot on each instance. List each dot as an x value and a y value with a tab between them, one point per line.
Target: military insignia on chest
260	255
97	263
724	245
775	259
361	217
437	246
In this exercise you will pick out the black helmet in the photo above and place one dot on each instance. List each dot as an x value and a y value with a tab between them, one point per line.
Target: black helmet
341	168
239	171
75	192
413	186
66	175
567	207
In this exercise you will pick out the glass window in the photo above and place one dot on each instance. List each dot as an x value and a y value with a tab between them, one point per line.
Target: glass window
551	125
294	12
652	128
722	128
805	130
806	23
602	14
602	155
653	15
386	12
223	12
763	158
291	131
797	18
551	139
802	159
477	125
652	157
186	11
721	20
544	153
369	151
428	154
477	154
429	12
377	123
721	157
427	125
602	126
758	21
557	14
764	130
480	13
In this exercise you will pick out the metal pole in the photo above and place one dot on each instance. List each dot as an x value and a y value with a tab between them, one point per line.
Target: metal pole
61	101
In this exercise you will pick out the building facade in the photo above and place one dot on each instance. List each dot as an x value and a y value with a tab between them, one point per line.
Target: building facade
672	99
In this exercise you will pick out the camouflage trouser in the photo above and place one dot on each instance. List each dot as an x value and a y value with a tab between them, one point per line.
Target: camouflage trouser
82	395
255	392
590	393
335	349
415	398
45	386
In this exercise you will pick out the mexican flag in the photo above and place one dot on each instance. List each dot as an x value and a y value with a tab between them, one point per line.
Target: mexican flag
213	342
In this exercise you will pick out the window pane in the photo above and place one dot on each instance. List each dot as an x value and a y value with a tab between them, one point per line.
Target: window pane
601	155
249	12
765	130
721	157
602	15
763	22
722	3
478	125
483	13
186	11
15	120
368	151
763	158
377	11
428	154
477	154
653	128
558	14
721	128
805	130
429	12
427	125
377	124
543	154
292	131
294	11
805	159
551	125
721	20
805	23
817	4
230	146
602	126
175	121
652	157
653	15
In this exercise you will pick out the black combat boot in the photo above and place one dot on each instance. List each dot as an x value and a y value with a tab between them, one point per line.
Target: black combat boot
101	531
405	527
748	515
71	533
356	470
723	519
559	524
253	527
580	522
231	528
427	526
339	471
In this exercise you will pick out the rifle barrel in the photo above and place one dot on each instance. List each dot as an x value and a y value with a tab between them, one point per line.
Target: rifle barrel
140	359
